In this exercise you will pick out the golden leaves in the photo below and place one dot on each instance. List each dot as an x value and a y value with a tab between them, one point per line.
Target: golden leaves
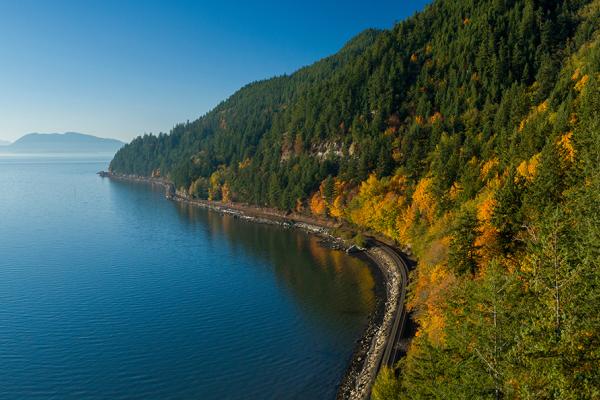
580	85
487	234
539	109
488	167
485	210
542	107
528	169
337	208
423	200
317	204
432	282
244	164
566	148
435	118
225	193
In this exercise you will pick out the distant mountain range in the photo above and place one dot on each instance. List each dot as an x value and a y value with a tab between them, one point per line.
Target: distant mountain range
69	142
4	143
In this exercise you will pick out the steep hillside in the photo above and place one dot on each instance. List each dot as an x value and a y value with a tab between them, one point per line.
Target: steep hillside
468	133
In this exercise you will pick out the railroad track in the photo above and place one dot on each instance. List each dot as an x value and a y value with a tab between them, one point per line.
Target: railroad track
392	350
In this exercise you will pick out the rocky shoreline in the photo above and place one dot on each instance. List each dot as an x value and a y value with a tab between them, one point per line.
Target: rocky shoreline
364	364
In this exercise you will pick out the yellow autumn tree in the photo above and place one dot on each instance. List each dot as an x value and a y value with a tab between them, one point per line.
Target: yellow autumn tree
214	189
419	214
244	164
430	287
317	204
527	170
225	193
489	167
336	209
379	203
486	241
423	200
341	196
566	148
435	118
580	85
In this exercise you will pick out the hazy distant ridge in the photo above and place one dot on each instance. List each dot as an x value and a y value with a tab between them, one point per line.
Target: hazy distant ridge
69	142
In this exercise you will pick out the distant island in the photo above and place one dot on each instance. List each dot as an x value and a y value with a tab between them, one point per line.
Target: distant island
69	142
4	143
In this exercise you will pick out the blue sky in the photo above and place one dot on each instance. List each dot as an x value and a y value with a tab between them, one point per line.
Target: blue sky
124	68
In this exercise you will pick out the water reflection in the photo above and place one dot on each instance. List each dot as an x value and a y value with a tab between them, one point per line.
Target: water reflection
322	281
128	295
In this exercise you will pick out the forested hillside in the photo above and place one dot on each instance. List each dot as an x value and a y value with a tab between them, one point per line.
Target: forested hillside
469	133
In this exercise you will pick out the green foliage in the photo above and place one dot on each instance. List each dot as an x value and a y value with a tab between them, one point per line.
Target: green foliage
424	90
386	387
360	241
463	257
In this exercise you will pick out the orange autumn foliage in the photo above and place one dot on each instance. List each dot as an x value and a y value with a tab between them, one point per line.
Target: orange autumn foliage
487	234
245	163
489	166
421	212
435	118
542	107
342	194
379	204
317	204
582	82
423	200
321	204
225	193
566	148
485	211
336	209
431	285
404	224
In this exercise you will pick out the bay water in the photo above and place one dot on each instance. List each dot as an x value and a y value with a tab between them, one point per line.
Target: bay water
110	291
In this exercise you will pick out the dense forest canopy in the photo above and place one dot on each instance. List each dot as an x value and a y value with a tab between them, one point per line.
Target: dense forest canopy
469	133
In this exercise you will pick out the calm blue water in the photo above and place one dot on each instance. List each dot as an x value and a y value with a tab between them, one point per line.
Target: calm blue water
109	291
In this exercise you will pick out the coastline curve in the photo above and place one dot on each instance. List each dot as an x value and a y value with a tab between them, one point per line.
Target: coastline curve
380	340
